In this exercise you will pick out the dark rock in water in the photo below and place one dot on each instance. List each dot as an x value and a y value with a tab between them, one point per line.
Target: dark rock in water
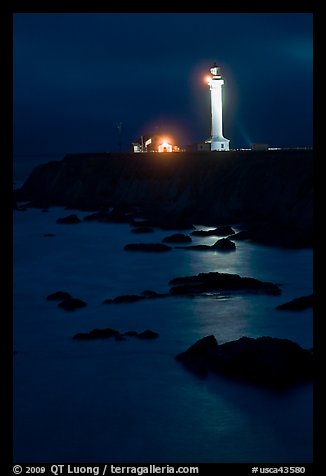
102	217
97	334
148	334
196	358
72	304
45	210
215	281
58	296
129	298
147	247
297	304
177	238
49	234
224	244
142	229
70	219
264	361
131	333
224	230
149	294
124	298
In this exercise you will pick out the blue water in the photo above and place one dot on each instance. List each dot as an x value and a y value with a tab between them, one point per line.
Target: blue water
131	401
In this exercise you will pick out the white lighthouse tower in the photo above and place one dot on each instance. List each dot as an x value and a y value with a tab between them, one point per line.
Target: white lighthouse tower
217	141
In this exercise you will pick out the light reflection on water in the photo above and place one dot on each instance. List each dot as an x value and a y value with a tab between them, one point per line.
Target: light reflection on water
132	397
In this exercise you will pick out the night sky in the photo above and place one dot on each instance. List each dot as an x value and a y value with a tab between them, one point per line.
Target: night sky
78	76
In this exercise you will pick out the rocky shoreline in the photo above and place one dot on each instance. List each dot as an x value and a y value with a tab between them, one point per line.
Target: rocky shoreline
268	194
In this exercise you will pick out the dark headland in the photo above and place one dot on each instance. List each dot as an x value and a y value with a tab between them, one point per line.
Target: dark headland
267	193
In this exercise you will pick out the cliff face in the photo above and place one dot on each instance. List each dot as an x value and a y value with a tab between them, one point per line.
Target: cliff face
274	188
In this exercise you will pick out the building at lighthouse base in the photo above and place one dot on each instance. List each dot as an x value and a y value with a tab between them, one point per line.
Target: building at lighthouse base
218	143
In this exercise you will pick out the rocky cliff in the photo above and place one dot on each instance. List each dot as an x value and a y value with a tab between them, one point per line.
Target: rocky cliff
269	191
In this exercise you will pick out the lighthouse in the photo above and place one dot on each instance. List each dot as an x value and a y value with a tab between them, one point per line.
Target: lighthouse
215	82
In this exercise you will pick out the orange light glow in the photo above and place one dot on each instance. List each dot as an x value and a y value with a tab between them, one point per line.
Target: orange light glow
164	147
208	79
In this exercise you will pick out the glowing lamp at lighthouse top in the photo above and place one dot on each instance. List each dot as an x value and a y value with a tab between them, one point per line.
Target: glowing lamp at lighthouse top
215	70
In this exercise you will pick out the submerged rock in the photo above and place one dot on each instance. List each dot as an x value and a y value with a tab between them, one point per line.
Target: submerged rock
297	304
124	298
215	281
224	244
97	334
101	217
148	334
58	296
149	294
129	298
264	361
71	304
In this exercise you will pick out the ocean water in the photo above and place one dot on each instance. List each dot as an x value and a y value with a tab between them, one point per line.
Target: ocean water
131	401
